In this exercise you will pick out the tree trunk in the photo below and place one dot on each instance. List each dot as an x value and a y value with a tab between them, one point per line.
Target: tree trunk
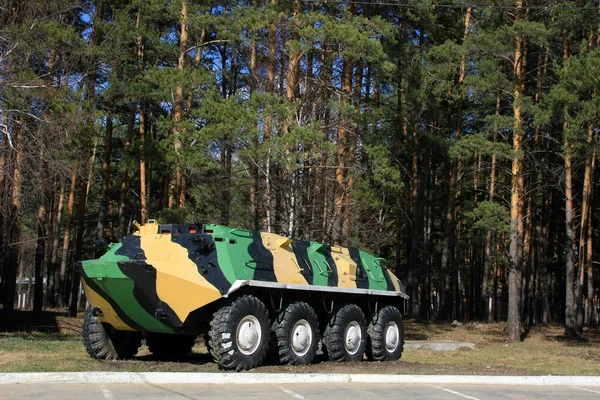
414	262
445	293
341	156
590	270
81	208
343	149
105	177
55	234
293	62
128	138
40	251
14	230
527	289
352	147
125	173
252	84
142	149
225	180
75	283
3	154
586	214
425	311
268	129
516	208
177	197
570	301
399	143
546	257
492	194
62	291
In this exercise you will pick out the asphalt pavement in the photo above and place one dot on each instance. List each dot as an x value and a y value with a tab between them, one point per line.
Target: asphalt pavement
291	391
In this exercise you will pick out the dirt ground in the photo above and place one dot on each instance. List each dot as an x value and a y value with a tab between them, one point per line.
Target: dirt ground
544	350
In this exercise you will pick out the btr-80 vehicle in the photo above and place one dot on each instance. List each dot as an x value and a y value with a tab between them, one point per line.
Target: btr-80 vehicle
252	295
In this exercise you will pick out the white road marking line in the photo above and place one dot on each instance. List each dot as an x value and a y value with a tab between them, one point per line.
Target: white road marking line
587	390
293	394
456	393
107	394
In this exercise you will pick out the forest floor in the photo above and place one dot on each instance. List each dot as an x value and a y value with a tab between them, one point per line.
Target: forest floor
52	343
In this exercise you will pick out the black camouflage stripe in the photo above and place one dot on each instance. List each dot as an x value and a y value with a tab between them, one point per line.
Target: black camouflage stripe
263	260
144	277
332	279
120	313
362	279
202	252
300	248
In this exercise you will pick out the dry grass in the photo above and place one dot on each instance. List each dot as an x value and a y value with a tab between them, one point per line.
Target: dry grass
543	351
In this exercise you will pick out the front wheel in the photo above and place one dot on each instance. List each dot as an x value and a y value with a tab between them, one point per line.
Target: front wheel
345	337
239	334
104	342
386	335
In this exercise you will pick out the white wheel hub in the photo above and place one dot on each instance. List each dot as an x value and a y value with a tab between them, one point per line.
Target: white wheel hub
301	337
248	335
352	337
392	337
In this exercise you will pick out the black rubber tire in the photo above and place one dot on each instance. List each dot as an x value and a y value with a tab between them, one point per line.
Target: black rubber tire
282	328
335	333
104	342
377	350
223	334
167	346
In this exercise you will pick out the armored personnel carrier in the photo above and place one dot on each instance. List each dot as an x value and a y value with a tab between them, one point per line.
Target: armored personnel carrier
252	295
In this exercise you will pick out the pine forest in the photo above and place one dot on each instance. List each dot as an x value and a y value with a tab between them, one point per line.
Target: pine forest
458	141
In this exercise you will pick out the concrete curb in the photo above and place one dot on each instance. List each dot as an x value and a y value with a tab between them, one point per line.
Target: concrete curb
164	378
440	345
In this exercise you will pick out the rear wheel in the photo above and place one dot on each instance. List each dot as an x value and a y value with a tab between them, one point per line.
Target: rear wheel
239	334
168	346
296	333
386	335
345	336
104	342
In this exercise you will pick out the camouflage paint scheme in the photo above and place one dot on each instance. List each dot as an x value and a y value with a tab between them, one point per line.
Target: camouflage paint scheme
155	279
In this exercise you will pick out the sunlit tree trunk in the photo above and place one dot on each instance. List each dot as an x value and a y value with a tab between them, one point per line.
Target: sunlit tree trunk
177	196
269	121
254	155
570	301
142	150
62	291
516	207
590	268
342	156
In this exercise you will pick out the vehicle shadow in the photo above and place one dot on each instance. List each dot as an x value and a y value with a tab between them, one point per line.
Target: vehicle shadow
45	321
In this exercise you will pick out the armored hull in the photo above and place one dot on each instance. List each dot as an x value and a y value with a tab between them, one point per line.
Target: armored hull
175	279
